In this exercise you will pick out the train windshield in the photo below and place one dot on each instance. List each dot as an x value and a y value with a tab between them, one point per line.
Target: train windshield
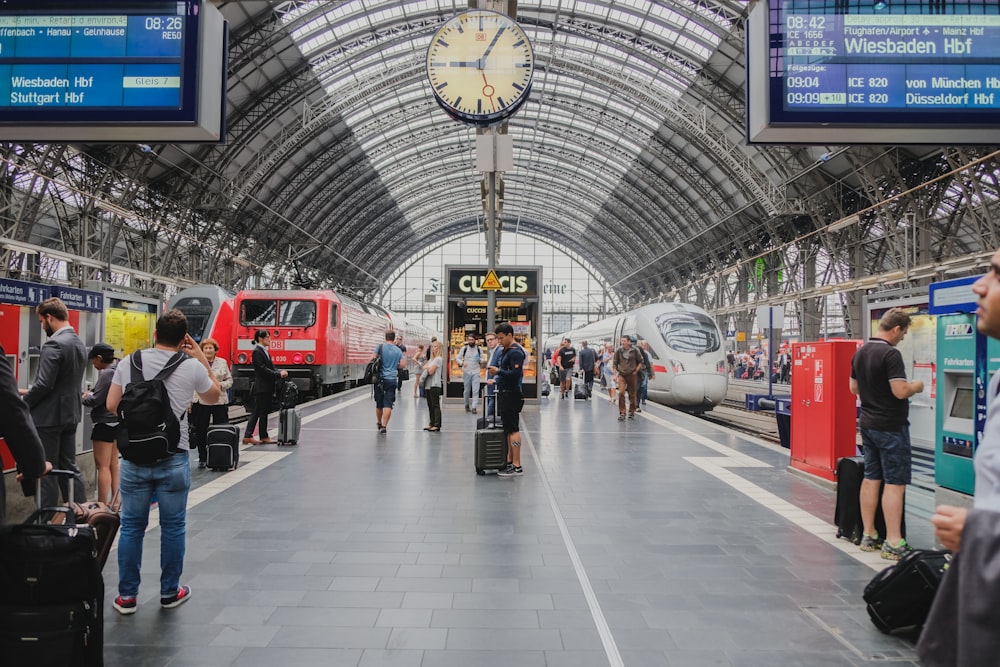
198	311
694	333
258	313
269	313
296	313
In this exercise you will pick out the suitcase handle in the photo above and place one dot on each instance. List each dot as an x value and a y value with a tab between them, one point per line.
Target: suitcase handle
46	515
38	513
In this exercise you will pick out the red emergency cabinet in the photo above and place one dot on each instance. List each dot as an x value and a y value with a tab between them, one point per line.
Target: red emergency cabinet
824	411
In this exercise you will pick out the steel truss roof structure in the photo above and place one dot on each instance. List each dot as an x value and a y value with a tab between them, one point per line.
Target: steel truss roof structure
339	167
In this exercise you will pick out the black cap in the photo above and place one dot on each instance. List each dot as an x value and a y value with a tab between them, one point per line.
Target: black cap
102	350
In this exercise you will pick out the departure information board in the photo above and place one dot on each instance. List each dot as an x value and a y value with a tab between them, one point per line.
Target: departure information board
65	61
883	64
891	62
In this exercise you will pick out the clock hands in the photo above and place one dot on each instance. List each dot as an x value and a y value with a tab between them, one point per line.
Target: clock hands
481	63
489	48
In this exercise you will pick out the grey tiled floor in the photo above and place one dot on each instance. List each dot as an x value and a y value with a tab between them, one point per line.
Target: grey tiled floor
361	549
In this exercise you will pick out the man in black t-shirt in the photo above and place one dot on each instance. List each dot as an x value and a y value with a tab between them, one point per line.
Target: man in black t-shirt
878	376
565	359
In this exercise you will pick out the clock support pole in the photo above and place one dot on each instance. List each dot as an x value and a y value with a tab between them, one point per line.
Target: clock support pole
491	239
508	7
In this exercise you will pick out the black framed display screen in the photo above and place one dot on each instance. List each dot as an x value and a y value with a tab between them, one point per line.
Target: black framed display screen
878	71
66	61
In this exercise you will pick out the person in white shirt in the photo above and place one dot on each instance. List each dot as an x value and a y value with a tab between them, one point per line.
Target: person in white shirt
168	480
469	358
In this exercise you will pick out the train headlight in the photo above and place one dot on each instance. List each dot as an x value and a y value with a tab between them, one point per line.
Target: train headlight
677	366
297	358
241	358
310	358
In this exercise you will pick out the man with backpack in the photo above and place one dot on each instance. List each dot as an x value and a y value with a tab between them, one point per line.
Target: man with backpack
384	390
470	358
151	391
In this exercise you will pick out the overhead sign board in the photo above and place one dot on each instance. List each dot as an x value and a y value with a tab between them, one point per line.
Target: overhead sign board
952	296
873	72
21	293
80	299
112	71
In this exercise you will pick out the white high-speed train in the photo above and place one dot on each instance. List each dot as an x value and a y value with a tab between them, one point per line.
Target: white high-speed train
686	345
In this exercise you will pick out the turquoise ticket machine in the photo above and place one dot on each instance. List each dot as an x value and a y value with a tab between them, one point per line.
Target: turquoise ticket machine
965	361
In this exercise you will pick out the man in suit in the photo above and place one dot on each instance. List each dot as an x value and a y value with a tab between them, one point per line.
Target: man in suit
265	375
54	398
18	432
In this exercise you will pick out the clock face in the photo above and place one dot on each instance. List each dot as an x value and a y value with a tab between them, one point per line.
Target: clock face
479	65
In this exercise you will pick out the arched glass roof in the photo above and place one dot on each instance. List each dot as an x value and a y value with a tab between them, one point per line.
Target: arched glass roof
628	144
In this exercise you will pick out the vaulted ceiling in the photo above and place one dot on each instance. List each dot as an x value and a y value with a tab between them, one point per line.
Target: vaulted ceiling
629	151
339	168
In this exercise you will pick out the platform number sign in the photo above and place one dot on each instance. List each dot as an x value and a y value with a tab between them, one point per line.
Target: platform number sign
818	382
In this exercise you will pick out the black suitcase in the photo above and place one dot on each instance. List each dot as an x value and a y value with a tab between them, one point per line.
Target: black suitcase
847	516
580	390
900	597
223	445
51	591
289	425
491	441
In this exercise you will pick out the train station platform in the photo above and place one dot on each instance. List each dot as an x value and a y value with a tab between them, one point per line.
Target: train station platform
664	540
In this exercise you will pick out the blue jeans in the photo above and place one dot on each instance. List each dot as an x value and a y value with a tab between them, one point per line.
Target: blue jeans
169	482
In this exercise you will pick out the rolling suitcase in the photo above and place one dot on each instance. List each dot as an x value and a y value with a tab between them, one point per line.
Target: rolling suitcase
223	445
289	424
105	522
51	591
847	516
491	442
900	597
579	389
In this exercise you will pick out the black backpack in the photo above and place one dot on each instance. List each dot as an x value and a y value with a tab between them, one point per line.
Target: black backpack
150	432
373	371
289	395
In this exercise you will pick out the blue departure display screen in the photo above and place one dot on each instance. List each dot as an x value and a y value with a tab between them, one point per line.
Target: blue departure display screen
886	62
116	62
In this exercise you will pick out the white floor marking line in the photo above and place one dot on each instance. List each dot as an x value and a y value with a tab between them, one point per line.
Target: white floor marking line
252	461
334	408
603	630
718	467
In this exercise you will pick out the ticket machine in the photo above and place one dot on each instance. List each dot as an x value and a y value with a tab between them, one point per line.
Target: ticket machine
966	359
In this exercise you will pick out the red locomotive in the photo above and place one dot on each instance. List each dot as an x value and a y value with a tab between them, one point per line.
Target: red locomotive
323	339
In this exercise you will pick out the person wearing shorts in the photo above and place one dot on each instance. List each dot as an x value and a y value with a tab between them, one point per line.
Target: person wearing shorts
385	391
878	376
105	432
508	372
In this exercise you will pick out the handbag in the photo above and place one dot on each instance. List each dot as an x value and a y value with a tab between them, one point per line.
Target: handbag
403	374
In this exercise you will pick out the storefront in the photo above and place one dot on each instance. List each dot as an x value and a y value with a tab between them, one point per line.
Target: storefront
518	301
